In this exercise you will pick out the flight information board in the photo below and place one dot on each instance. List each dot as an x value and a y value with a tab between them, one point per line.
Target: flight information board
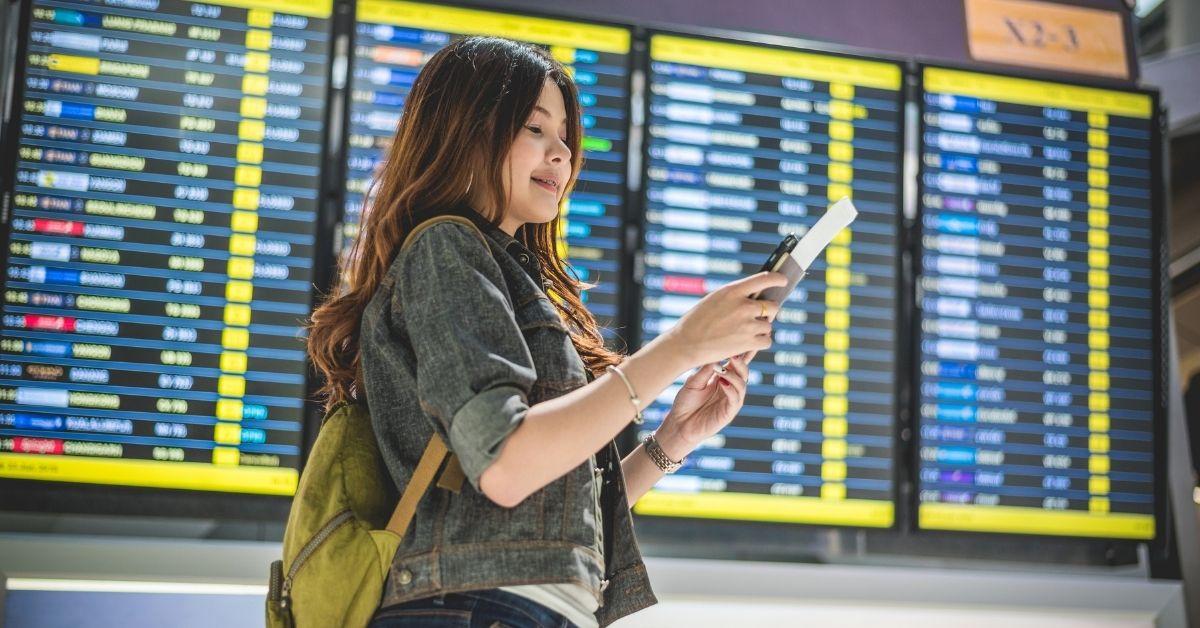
1037	337
747	143
394	39
160	238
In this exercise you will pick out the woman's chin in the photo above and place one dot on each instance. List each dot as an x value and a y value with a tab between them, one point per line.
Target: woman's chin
543	214
535	210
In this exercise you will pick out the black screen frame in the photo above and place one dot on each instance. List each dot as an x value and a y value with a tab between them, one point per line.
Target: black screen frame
722	525
1160	292
72	498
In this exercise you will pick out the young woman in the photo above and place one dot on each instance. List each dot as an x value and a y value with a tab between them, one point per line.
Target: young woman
474	327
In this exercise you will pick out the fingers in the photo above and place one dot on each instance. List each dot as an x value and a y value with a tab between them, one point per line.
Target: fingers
759	308
739	367
734	381
757	283
701	377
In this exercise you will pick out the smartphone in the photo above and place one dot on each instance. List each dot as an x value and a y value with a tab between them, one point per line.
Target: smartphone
781	261
785	248
794	256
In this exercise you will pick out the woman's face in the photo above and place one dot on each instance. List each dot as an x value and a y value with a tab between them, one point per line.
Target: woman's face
539	164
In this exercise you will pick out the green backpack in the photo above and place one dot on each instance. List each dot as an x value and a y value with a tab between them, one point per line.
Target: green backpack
339	541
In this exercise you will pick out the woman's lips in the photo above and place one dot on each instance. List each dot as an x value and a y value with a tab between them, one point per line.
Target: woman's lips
545	186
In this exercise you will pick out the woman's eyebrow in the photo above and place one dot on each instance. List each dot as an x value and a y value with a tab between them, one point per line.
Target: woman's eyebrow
543	110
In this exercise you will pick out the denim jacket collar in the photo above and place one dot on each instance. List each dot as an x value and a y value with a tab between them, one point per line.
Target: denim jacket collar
515	249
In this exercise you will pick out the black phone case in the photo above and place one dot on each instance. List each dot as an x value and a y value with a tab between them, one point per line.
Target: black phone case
794	273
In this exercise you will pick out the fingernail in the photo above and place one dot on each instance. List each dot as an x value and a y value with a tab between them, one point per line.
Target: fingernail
724	382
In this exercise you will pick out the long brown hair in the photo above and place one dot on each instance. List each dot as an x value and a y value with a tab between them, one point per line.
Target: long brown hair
461	116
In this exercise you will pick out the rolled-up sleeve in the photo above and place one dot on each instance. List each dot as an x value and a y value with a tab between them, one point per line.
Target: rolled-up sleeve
474	371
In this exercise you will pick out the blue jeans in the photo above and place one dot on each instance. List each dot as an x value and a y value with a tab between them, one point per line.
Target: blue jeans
491	608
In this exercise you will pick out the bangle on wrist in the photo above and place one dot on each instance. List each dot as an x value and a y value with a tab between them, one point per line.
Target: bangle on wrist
659	457
633	398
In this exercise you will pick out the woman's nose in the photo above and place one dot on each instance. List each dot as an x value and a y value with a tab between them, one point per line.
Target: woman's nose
559	152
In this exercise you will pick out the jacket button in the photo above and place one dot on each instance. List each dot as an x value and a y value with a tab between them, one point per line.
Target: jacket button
404	577
524	258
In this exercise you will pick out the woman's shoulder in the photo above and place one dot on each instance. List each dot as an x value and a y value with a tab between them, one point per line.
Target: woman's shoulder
437	245
445	249
444	231
427	258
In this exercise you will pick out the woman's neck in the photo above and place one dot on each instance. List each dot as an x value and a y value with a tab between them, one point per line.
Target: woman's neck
510	225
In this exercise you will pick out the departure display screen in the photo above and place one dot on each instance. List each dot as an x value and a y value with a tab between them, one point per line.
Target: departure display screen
745	144
160	232
1037	336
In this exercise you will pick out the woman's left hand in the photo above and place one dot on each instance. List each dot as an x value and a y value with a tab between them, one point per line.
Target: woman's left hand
707	403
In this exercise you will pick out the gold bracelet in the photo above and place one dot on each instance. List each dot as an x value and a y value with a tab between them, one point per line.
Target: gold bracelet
633	398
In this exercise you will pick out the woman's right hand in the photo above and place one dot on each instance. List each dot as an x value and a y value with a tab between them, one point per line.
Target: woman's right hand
727	322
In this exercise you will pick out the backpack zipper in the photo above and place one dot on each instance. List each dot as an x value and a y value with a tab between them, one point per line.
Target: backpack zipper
310	547
275	582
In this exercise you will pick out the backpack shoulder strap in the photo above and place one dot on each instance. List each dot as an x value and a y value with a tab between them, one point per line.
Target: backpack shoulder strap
452	475
422	477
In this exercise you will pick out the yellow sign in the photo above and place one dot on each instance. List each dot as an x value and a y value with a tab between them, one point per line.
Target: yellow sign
1047	35
775	61
307	8
1037	93
1017	520
778	508
196	476
460	21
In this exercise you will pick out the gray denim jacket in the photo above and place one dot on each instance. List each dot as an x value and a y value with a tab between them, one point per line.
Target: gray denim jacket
460	337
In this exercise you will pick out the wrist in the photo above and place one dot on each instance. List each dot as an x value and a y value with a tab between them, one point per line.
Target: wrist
673	443
676	351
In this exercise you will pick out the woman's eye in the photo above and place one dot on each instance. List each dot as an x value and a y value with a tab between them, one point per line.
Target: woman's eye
536	130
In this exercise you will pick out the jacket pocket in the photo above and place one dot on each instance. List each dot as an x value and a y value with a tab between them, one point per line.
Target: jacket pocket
473	518
559	367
